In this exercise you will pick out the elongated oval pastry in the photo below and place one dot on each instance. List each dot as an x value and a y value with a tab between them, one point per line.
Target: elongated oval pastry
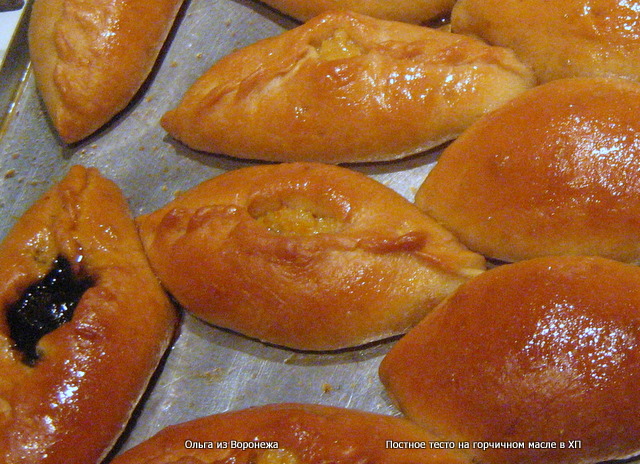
541	357
83	326
308	256
554	171
292	434
559	38
345	87
91	57
410	11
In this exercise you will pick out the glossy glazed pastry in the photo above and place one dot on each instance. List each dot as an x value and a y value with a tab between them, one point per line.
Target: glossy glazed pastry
410	11
90	58
292	434
345	87
303	255
552	172
84	324
559	38
544	352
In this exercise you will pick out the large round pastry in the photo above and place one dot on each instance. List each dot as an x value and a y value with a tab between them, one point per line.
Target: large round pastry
345	87
84	324
292	434
554	171
308	256
533	362
559	38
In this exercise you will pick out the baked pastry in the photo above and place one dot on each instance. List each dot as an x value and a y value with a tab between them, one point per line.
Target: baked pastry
303	255
292	434
539	360
552	172
345	87
410	11
559	38
90	58
84	324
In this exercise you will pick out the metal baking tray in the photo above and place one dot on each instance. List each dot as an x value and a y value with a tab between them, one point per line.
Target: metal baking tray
208	370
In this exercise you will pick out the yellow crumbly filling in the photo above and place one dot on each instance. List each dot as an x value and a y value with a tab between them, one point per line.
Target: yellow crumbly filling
277	456
339	46
297	221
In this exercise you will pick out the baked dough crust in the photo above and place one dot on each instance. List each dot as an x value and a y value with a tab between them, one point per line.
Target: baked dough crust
90	58
410	11
559	38
541	351
304	434
345	87
76	400
554	171
303	255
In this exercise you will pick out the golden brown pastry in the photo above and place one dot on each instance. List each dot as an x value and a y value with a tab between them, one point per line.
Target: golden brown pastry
292	434
555	171
91	57
559	38
345	88
410	11
535	362
84	324
308	256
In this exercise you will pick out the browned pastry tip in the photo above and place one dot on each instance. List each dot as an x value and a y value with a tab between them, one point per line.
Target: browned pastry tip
84	324
304	255
345	87
292	434
90	58
553	172
530	362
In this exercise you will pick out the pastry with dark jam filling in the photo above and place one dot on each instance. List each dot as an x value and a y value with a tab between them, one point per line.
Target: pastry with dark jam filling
84	324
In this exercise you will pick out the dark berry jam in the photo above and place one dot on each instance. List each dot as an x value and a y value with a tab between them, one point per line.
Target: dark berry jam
44	306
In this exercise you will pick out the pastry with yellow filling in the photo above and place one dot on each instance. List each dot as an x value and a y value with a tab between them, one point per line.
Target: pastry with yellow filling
91	57
84	324
539	360
410	11
559	38
553	172
304	255
345	87
292	434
